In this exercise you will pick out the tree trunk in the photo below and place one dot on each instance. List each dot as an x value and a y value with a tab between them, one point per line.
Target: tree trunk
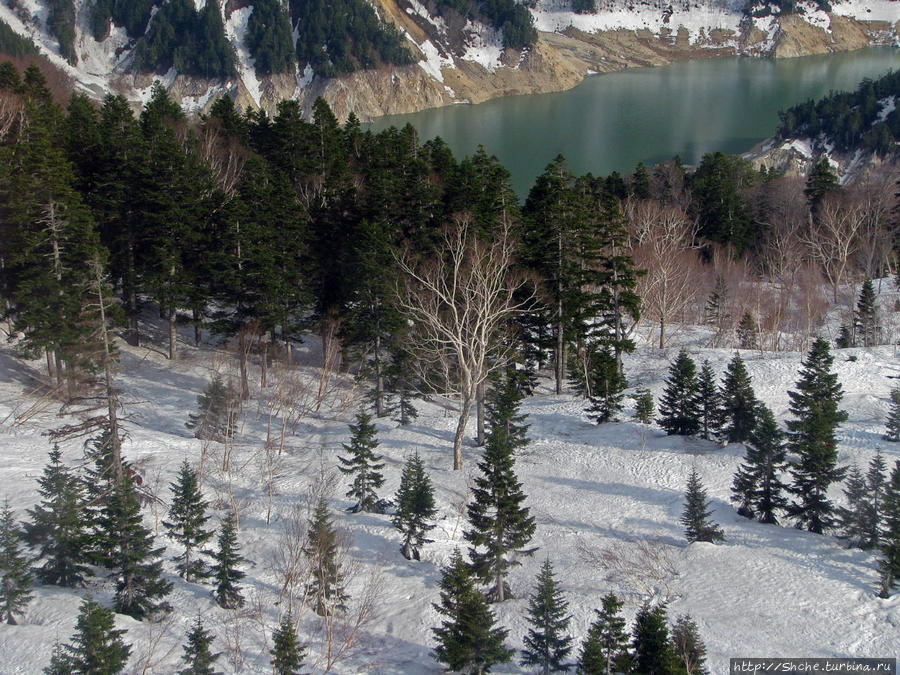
57	358
465	409
173	336
379	379
51	367
133	336
242	348
264	355
479	415
560	357
501	592
662	331
198	329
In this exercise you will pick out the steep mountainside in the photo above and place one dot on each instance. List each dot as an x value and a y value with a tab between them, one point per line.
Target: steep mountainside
392	56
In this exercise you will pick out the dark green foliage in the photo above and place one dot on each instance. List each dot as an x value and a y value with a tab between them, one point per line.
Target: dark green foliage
607	387
605	649
513	19
269	38
415	507
193	42
132	14
860	521
718	202
690	652
761	8
715	312
867	319
326	586
893	419
339	36
644	406
58	527
216	415
364	466
96	648
15	575
13	44
467	639
876	482
814	406
140	587
679	408
499	523
584	6
399	385
547	643
849	120
757	485
738	402
197	656
186	524
287	652
710	403
821	182
653	653
61	22
695	517
889	565
225	570
747	332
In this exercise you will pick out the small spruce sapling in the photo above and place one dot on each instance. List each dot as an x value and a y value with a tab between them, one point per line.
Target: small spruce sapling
652	651
643	406
893	420
695	517
867	319
225	570
738	402
96	648
15	575
747	332
287	652
766	462
709	402
197	657
679	408
415	507
690	651
547	643
364	466
187	518
605	649
852	518
326	585
889	565
607	387
216	417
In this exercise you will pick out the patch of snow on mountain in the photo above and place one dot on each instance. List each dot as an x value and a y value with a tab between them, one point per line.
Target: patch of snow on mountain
484	45
888	105
433	61
868	10
99	58
236	30
305	78
418	9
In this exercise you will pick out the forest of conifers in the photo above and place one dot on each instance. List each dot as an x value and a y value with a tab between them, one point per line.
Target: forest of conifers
288	225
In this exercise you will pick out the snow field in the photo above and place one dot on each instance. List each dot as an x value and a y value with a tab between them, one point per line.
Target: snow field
765	591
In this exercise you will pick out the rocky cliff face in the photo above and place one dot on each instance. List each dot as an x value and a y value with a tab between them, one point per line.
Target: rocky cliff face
467	63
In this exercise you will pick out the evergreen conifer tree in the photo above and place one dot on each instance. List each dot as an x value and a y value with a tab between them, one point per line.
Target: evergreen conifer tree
187	518
715	312
58	527
889	565
225	570
140	587
643	406
893	420
738	402
653	652
364	466
415	507
215	417
605	649
467	639
326	586
812	438
709	402
97	647
547	645
59	662
867	319
690	652
757	483
876	480
15	576
400	382
498	522
852	519
695	517
820	182
679	408
607	387
197	657
287	652
747	332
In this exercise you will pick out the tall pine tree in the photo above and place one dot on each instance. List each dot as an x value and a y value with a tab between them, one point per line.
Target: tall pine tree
225	570
814	406
197	657
415	507
653	652
187	518
695	517
547	643
287	652
889	565
679	407
326	585
738	402
757	484
709	402
15	576
97	647
364	466
867	319
605	649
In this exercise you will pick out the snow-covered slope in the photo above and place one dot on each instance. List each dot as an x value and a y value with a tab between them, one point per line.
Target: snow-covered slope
767	590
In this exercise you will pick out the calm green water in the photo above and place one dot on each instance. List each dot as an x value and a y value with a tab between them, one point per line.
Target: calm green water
611	122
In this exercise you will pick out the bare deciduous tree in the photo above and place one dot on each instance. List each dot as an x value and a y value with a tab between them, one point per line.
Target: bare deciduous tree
663	239
646	566
833	237
458	302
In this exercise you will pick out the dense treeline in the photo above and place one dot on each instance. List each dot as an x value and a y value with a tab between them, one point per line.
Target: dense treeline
760	8
133	15
61	22
269	38
339	36
13	44
850	120
508	16
191	41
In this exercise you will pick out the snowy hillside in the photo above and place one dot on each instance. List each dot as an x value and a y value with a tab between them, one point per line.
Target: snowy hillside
766	591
